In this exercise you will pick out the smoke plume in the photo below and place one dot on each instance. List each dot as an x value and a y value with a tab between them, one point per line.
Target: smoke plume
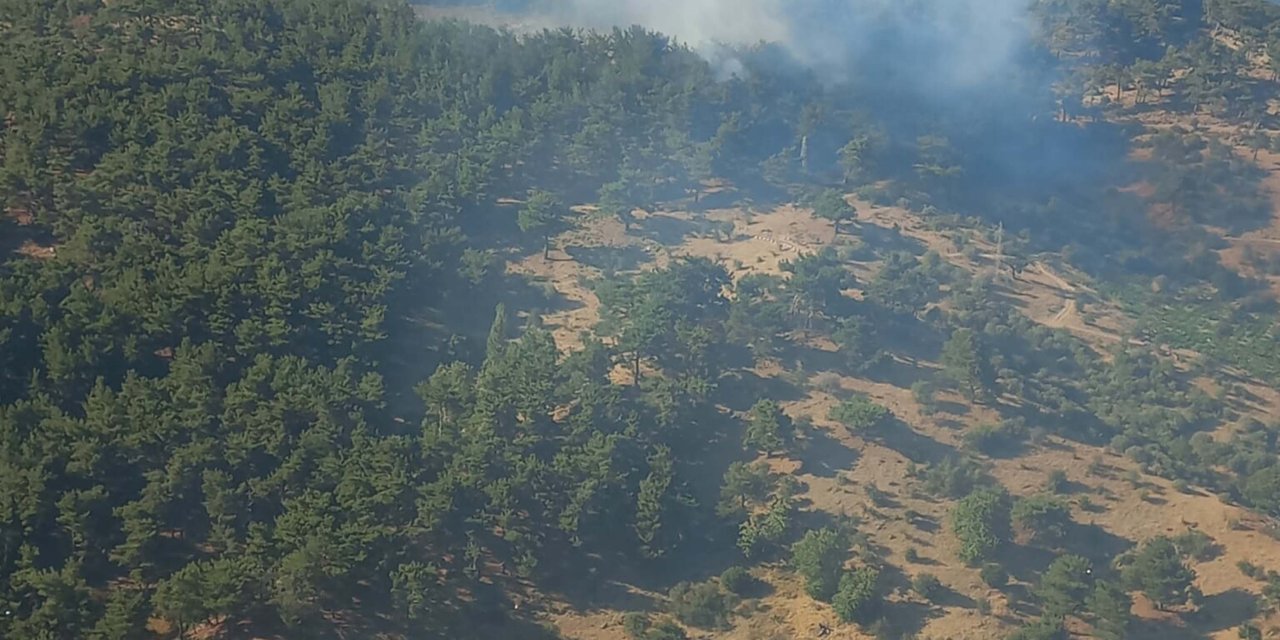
952	42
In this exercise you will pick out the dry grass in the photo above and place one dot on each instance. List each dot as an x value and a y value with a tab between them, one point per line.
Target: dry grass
838	466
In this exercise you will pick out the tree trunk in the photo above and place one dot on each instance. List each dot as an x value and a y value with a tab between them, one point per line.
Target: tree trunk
635	367
546	248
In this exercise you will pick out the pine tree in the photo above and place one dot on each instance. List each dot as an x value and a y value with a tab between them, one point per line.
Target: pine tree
496	345
767	427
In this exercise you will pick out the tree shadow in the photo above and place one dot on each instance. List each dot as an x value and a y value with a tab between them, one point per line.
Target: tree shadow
905	618
667	230
947	597
610	259
740	389
1025	563
880	240
1095	543
824	456
924	523
951	408
1225	610
896	371
918	448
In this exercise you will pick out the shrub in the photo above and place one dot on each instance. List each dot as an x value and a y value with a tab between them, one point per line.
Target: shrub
1097	466
827	381
635	624
1042	518
953	478
1251	570
912	555
1065	585
877	497
927	585
859	414
994	575
1057	482
703	604
980	520
1005	438
1045	628
666	630
924	392
736	580
856	598
819	557
984	606
1157	570
1196	544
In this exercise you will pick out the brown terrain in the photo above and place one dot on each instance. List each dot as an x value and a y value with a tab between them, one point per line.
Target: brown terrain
1116	510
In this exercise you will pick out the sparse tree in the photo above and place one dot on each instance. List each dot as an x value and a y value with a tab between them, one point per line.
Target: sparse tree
541	215
1110	611
1042	518
744	484
1158	571
819	558
980	520
965	362
832	205
768	428
1065	585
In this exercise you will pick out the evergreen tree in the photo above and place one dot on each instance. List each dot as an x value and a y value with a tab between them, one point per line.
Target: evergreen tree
768	428
857	596
1065	585
541	215
819	558
1157	570
965	363
1110	611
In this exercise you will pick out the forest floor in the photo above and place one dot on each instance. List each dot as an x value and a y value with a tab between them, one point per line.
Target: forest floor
1112	511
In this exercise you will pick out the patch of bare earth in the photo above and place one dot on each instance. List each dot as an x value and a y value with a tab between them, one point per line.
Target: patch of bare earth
568	277
836	467
1039	291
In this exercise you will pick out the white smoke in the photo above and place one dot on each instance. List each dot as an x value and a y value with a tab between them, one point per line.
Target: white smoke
957	41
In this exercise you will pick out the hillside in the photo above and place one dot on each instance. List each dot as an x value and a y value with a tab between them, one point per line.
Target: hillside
324	319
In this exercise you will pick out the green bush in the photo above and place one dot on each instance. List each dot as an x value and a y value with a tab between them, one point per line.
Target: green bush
953	478
1158	571
859	414
857	598
819	558
666	630
994	575
1043	518
1006	438
635	624
927	585
1045	628
1197	545
1057	481
702	604
736	580
923	392
1251	570
980	521
983	605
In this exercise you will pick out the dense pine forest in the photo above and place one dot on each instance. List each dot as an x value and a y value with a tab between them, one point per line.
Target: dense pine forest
321	319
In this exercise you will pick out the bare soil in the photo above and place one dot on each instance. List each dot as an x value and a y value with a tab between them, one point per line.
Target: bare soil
837	467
